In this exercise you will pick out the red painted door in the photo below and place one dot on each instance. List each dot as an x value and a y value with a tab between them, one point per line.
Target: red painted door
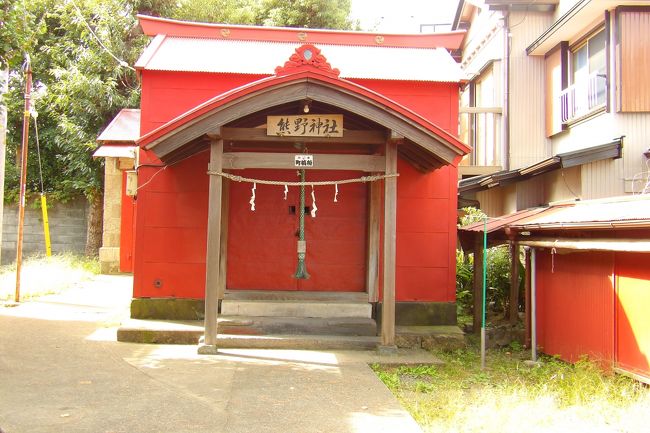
262	243
632	306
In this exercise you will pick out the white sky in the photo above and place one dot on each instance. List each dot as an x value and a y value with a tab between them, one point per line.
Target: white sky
403	16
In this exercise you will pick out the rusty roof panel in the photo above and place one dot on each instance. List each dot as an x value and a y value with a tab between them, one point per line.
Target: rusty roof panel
604	213
185	54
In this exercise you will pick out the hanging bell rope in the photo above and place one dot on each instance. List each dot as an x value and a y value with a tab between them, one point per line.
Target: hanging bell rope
301	270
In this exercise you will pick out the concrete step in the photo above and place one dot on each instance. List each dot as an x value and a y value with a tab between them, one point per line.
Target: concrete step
294	295
249	325
236	330
297	342
291	308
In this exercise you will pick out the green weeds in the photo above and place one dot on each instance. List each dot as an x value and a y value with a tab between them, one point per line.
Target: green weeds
42	275
509	396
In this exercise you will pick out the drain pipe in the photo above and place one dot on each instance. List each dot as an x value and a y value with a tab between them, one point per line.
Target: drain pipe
533	307
505	113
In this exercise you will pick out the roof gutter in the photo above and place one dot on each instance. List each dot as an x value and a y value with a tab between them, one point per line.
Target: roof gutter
557	24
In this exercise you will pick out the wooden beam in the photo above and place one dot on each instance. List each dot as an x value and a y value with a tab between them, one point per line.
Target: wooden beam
478	110
259	135
390	240
241	160
374	225
212	261
478	283
514	283
223	250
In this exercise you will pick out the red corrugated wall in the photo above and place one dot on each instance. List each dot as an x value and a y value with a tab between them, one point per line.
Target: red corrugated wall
595	304
575	301
633	312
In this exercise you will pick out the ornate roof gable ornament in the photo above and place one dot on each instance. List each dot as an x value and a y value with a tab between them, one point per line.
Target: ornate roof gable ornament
307	55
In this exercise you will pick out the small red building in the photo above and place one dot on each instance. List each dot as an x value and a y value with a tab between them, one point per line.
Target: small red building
587	279
230	116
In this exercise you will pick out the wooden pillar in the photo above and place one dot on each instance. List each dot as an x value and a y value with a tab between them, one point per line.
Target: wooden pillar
223	250
212	261
390	236
478	282
374	213
527	282
514	282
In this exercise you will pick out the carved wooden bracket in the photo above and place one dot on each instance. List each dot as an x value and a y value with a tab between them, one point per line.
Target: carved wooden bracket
307	55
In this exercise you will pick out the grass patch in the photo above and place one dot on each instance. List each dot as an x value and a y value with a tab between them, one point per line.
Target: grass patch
42	275
510	397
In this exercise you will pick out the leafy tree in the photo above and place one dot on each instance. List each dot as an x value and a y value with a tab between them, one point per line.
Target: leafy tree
326	14
80	51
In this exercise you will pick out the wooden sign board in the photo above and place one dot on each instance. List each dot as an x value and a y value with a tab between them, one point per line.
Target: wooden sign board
308	125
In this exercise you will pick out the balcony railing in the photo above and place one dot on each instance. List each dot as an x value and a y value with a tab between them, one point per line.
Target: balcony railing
481	130
583	97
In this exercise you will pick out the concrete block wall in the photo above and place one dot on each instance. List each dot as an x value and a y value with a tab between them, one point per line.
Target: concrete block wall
67	229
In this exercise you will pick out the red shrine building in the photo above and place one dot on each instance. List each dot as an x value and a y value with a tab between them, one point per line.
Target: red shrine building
276	160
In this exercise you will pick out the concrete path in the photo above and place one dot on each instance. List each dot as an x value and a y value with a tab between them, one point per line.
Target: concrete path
61	370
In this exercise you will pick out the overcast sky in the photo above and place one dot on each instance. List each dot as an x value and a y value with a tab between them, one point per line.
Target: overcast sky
402	16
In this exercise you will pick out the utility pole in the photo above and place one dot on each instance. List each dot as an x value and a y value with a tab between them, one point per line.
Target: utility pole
23	173
4	88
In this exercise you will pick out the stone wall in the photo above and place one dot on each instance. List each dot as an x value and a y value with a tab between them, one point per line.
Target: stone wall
67	229
109	253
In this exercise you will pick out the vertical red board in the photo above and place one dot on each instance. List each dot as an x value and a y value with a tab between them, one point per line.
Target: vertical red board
632	307
575	305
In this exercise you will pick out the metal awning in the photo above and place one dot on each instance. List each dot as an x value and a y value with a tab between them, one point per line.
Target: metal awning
612	150
115	151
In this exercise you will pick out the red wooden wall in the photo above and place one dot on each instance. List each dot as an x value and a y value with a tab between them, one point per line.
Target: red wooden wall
172	203
632	312
595	304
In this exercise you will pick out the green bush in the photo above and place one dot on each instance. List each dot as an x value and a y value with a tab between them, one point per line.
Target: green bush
498	273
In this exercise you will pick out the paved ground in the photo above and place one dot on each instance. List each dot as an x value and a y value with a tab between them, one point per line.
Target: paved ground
61	370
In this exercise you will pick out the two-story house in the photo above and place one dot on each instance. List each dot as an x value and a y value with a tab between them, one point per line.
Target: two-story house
565	80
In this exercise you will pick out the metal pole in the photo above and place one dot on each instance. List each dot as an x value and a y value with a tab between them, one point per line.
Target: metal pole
533	307
484	292
23	174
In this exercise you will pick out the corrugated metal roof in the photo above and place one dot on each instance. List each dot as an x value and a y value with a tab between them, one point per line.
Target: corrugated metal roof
125	127
603	213
261	58
494	224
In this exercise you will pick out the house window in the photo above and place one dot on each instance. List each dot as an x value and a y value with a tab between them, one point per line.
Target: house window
587	90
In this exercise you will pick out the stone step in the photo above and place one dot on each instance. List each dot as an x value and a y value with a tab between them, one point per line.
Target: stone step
295	308
296	342
248	325
231	327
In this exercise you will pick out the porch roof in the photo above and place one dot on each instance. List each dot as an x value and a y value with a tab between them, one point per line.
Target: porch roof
310	79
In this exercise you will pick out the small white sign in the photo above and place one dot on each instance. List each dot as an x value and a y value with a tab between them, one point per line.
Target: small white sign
304	161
